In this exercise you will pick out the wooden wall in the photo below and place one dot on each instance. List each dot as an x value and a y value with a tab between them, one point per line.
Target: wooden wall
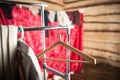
101	28
52	4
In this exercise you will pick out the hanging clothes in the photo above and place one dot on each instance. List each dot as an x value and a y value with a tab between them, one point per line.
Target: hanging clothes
63	18
8	43
35	11
52	16
29	68
7	9
46	21
73	16
3	19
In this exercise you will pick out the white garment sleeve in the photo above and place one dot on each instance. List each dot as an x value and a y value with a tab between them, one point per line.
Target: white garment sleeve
35	62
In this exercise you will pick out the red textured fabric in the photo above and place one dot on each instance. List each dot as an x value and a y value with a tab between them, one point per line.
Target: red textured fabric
25	18
3	18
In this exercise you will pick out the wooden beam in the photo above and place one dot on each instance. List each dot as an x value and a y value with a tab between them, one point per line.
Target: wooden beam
101	10
59	2
95	26
102	41
70	1
106	61
106	18
106	47
88	3
51	5
106	36
55	1
102	54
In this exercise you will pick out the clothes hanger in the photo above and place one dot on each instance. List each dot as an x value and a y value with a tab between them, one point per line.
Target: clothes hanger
73	49
64	60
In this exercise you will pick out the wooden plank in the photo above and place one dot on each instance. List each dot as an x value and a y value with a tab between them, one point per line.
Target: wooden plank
59	2
102	41
56	1
87	3
106	36
95	26
101	10
106	61
50	6
102	54
69	0
106	18
53	7
106	47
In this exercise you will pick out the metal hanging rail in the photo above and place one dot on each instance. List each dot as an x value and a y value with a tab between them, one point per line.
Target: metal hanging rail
66	76
45	28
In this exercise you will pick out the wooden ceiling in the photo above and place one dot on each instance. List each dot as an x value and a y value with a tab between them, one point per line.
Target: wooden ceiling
68	4
52	4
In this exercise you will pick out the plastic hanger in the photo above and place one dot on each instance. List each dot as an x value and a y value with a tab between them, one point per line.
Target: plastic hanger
22	33
73	49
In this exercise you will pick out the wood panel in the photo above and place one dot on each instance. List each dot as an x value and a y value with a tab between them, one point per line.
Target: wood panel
56	1
106	47
106	18
59	2
51	5
107	61
104	57
65	1
102	10
106	36
89	3
102	41
101	27
102	54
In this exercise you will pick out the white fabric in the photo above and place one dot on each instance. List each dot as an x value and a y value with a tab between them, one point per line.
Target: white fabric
35	62
34	11
57	78
51	16
81	10
28	56
63	18
8	52
12	34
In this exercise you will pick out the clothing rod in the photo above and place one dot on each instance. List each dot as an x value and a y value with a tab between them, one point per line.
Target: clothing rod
45	28
25	3
55	71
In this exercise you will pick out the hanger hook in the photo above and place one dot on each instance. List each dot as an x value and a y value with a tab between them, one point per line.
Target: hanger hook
22	33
